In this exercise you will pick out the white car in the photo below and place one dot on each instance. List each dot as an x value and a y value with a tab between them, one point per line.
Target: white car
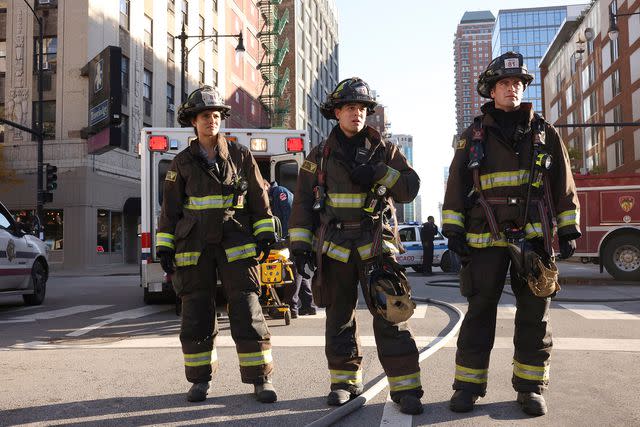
442	257
24	267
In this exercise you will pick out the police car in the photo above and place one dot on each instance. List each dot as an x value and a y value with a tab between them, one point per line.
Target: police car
442	257
24	266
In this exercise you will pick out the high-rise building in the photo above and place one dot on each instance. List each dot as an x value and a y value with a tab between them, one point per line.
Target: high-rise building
379	120
471	54
405	212
588	77
311	63
529	31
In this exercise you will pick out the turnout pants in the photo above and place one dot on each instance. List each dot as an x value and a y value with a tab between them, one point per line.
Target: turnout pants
397	349
481	280
196	285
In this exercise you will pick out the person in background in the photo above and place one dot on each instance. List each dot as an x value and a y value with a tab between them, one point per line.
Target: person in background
428	232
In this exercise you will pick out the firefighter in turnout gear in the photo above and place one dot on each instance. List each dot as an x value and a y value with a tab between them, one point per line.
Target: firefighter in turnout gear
510	186
216	220
336	225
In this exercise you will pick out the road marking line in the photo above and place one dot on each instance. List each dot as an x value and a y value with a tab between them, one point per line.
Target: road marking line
391	415
420	311
506	311
599	312
116	317
52	314
292	341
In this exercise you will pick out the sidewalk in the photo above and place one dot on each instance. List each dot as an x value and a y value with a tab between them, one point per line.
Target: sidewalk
97	270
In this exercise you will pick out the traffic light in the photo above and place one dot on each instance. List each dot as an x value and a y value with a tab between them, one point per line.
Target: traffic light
51	176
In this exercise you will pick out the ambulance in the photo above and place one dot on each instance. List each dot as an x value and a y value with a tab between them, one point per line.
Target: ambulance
279	154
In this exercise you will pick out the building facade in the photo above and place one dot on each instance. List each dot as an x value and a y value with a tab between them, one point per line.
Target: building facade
588	77
379	120
405	212
529	31
471	55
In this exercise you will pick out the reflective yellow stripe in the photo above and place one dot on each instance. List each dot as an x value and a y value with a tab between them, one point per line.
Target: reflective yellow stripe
530	372
336	252
300	235
365	250
347	377
470	375
404	382
200	359
165	239
255	359
346	200
209	202
453	218
533	230
241	252
187	258
390	178
262	226
484	240
567	218
504	179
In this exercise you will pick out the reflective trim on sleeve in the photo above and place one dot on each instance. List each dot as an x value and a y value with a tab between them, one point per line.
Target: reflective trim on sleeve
504	179
533	230
346	377
567	218
365	250
453	218
241	252
200	359
255	359
346	200
209	202
165	239
300	235
530	372
390	178
470	375
263	226
187	258
484	240
405	382
336	252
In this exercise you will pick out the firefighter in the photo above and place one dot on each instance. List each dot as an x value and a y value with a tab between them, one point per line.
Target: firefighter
215	220
509	179
337	209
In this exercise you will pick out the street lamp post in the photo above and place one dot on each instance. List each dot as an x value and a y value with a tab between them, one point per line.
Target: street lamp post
185	53
613	23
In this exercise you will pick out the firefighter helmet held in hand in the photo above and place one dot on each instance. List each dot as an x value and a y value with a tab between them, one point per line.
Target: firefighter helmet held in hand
202	99
510	64
390	292
349	90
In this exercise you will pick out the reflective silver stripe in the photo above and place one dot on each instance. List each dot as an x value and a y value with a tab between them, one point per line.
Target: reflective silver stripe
255	359
187	258
262	226
484	240
470	375
349	377
453	218
346	200
504	179
300	235
530	372
389	179
209	202
533	230
336	252
404	382
165	239
365	250
567	218
200	359
241	252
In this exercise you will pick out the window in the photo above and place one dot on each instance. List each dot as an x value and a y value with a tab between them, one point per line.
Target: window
171	6
124	132
619	153
215	40
201	25
124	14
109	235
48	118
171	47
3	56
215	5
148	31
558	82
49	52
147	90
201	70
171	107
1	125
124	79
617	117
615	83
185	12
215	78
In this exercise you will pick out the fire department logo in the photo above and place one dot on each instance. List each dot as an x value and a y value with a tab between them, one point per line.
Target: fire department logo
626	203
11	250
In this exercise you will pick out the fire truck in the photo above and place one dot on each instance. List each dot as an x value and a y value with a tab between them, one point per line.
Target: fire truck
610	223
279	154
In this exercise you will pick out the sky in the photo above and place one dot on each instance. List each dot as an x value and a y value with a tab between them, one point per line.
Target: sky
405	53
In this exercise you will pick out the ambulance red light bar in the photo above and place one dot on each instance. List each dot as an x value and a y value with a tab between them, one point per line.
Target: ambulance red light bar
158	143
295	144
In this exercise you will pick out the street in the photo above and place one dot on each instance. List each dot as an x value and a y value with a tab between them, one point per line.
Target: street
94	354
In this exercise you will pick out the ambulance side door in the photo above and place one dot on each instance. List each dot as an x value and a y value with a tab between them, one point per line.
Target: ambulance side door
284	169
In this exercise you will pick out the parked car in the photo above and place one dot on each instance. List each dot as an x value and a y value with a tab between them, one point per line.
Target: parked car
24	266
442	257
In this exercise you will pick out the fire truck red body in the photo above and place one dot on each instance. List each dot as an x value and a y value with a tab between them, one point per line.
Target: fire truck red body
610	223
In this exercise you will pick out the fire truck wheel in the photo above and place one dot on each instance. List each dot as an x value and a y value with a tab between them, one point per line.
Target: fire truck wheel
621	257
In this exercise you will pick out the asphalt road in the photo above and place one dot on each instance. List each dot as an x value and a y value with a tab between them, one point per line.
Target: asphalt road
94	354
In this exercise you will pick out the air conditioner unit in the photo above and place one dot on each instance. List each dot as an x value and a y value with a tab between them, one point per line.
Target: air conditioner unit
171	107
44	2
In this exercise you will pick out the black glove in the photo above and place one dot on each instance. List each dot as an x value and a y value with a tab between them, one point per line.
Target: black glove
263	247
301	259
458	244
567	248
167	259
363	175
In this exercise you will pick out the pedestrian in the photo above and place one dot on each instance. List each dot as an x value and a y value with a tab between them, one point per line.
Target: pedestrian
509	179
428	232
338	223
213	206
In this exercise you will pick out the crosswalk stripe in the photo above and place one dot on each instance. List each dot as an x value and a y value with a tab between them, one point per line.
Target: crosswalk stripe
52	314
599	312
116	317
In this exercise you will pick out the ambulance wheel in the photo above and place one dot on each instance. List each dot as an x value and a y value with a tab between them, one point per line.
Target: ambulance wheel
621	257
287	318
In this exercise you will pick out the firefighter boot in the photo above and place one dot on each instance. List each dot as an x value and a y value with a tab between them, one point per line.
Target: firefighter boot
198	392
338	397
462	401
265	392
532	403
410	404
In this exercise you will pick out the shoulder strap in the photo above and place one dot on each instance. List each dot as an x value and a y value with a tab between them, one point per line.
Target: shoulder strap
326	151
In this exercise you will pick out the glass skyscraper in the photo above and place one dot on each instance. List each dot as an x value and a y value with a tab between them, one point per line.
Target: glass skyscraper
528	31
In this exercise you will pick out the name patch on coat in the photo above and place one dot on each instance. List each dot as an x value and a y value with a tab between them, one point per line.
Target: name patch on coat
171	176
309	166
461	144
